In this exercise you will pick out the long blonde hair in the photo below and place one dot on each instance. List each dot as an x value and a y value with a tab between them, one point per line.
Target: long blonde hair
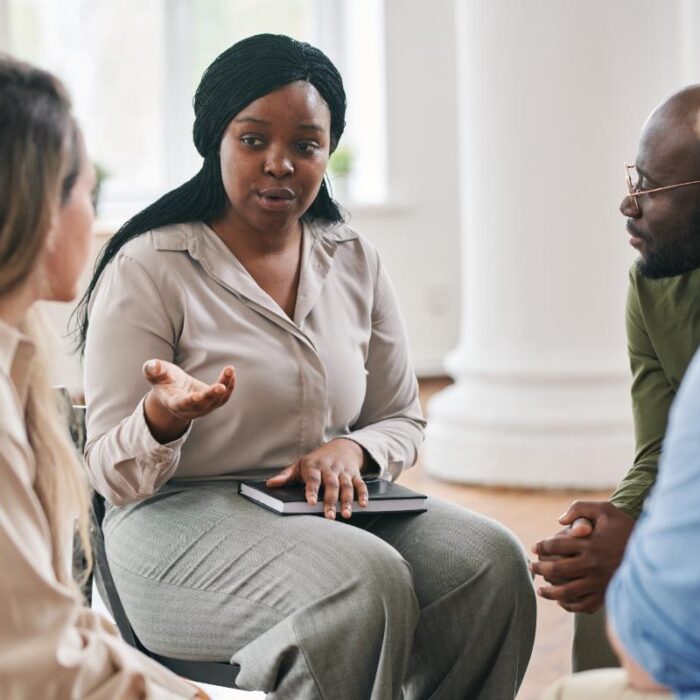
40	160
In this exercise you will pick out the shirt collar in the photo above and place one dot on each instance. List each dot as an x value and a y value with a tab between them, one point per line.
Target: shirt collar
16	353
186	236
319	245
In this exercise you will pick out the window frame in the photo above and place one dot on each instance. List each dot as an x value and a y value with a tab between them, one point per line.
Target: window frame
179	161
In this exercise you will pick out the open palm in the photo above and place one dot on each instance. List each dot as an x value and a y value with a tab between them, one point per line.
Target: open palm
184	396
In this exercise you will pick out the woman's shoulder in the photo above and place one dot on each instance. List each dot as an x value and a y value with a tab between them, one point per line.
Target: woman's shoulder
347	238
146	263
355	259
146	247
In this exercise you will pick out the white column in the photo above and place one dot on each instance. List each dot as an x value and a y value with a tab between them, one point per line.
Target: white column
553	95
4	25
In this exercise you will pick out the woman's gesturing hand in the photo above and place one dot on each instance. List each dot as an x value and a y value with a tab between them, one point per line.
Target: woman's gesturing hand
337	467
176	398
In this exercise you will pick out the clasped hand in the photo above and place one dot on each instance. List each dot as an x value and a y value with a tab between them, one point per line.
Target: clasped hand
579	561
336	466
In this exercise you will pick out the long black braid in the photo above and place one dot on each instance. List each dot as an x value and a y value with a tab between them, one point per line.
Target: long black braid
242	74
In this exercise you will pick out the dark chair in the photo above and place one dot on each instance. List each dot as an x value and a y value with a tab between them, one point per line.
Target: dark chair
213	672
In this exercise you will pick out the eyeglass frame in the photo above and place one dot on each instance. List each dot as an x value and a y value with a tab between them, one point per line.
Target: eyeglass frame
633	192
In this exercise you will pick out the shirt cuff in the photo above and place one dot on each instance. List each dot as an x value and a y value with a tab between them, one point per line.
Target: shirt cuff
387	468
154	459
633	508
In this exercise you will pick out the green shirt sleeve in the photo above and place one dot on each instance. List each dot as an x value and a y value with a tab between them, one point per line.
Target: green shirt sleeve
652	395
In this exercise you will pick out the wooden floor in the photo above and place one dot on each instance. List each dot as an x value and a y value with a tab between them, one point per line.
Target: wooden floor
531	515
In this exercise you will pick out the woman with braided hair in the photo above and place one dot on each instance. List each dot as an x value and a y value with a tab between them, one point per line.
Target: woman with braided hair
251	265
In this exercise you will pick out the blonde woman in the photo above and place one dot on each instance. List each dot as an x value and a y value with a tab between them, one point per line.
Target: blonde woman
50	645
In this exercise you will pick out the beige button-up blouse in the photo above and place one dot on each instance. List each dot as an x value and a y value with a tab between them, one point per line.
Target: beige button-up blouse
50	645
340	367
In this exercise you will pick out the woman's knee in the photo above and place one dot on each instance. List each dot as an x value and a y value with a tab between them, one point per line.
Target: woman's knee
508	556
385	582
508	582
508	565
487	550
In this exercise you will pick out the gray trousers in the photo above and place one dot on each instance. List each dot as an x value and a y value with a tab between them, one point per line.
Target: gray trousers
591	648
436	605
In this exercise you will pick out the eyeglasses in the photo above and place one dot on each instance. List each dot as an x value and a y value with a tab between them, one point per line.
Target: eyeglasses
634	191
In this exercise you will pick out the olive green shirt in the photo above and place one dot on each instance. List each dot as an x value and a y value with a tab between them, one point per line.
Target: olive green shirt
663	333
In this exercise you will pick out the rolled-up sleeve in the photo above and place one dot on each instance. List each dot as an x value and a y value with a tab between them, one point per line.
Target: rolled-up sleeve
50	645
653	601
391	425
129	324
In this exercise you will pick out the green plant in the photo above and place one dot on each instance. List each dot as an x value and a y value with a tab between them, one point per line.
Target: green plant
341	161
101	174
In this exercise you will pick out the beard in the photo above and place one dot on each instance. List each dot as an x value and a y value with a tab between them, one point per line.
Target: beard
671	258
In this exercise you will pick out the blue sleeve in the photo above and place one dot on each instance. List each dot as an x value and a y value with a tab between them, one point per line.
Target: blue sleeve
654	599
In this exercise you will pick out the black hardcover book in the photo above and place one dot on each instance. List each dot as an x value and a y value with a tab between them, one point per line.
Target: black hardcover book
384	497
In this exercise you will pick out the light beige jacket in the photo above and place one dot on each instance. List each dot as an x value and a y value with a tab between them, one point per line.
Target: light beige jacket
50	645
340	367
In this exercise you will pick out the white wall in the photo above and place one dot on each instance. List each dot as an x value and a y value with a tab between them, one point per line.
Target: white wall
418	234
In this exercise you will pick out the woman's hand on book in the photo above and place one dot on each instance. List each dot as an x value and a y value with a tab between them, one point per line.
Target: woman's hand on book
176	398
337	467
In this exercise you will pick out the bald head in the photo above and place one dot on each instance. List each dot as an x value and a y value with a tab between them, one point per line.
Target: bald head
670	141
681	109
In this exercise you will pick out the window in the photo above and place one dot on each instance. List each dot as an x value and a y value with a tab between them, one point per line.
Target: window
132	67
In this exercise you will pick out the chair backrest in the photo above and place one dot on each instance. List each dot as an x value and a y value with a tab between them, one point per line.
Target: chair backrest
75	415
213	672
103	575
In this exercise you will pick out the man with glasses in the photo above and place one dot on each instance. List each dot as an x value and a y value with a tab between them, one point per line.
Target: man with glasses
663	331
